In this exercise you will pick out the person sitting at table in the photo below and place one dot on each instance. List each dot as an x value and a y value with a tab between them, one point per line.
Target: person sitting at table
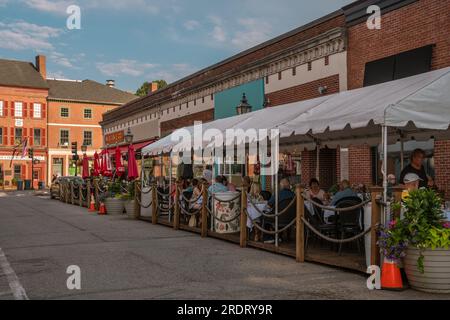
255	192
246	183
346	192
231	187
217	186
314	191
284	193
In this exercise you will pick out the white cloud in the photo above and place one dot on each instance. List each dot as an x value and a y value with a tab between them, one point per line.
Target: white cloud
124	67
56	75
58	7
218	33
191	25
23	35
251	32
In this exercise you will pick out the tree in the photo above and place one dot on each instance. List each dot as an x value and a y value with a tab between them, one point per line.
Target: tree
145	88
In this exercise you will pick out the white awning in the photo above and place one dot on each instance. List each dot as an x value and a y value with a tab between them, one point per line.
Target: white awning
417	105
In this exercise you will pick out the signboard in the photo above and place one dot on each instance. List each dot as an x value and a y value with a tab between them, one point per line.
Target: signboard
19	158
116	137
19	123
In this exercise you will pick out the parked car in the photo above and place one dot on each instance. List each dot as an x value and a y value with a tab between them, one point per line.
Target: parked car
56	185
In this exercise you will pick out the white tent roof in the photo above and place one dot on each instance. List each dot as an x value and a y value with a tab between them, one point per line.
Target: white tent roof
414	104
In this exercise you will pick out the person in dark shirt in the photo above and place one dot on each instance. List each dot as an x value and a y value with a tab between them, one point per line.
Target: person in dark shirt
284	193
416	167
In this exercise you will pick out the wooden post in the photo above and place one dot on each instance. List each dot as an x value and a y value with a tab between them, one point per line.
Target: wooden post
204	211
80	196
96	195
243	238
376	219
300	226
88	194
154	204
176	218
137	195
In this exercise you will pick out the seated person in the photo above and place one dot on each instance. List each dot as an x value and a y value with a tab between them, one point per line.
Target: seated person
231	187
412	182
314	191
246	183
284	193
217	186
255	192
346	192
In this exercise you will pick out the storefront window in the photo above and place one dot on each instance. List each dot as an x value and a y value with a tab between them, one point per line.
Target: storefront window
17	172
18	136
37	137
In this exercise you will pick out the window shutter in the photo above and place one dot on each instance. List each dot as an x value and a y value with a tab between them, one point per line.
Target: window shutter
31	110
5	108
25	113
31	137
43	111
24	172
12	108
12	136
5	136
43	137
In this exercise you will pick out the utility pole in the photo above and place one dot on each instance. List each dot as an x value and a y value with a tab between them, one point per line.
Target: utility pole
31	156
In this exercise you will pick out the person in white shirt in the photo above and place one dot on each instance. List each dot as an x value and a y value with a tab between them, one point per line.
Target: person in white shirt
315	192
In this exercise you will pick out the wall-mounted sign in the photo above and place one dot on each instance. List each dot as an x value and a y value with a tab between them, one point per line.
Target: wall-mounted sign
19	123
19	158
116	137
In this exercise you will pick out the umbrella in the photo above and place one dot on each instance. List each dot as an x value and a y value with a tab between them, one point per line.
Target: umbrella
106	168
96	165
132	165
86	172
120	169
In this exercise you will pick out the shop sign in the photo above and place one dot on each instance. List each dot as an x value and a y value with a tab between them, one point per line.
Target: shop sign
114	138
18	158
19	123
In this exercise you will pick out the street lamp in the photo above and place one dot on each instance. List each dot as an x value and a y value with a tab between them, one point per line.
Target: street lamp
243	107
129	137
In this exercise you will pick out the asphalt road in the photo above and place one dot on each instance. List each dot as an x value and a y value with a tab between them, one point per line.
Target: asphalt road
121	258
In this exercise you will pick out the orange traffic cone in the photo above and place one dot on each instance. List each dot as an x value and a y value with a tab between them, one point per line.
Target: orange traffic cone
391	277
92	205
102	210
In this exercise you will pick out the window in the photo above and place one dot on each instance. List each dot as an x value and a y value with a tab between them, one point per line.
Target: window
1	136
87	138
88	113
399	66
37	109
1	108
64	137
17	171
309	66
37	137
280	76
327	60
18	136
294	71
18	109
64	112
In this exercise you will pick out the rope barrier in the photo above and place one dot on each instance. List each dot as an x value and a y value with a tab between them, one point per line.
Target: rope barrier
142	206
267	215
225	201
257	226
220	219
323	207
338	241
187	213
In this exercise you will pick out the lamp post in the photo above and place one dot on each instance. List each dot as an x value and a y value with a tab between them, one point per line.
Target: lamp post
129	137
244	106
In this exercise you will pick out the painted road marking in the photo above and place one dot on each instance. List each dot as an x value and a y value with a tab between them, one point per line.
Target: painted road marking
16	288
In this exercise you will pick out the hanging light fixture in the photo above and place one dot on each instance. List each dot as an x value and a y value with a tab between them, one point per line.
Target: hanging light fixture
243	107
129	137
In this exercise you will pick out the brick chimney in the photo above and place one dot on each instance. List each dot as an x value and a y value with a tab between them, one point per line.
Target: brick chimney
153	87
41	65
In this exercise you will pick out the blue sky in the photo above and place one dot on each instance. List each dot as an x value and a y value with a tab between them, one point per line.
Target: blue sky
142	40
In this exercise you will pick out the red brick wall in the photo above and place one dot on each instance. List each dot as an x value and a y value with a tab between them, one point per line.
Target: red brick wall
328	164
413	26
360	165
186	121
442	164
304	91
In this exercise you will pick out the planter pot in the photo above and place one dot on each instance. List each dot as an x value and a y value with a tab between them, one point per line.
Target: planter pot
129	208
114	207
436	278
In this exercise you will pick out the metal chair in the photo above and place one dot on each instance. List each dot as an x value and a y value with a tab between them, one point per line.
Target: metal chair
349	222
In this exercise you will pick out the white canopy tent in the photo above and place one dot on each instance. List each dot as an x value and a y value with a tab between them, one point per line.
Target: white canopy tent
419	106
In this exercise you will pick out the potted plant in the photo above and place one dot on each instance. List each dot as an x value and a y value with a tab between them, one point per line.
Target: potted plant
130	201
113	202
421	239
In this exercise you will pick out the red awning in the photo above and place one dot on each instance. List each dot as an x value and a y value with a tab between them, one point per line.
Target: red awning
137	147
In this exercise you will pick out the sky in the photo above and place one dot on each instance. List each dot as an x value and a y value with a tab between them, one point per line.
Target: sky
134	41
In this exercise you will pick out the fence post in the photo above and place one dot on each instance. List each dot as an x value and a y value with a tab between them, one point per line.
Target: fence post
300	226
137	195
96	195
376	219
88	194
243	227
80	196
176	218
154	205
204	211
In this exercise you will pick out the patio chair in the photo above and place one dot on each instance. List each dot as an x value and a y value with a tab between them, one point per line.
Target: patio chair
266	195
317	222
285	218
349	223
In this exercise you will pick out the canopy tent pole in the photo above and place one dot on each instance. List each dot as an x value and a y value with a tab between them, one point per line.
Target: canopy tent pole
384	171
318	161
170	189
275	158
402	152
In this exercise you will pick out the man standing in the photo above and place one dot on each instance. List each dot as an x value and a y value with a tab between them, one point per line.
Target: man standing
416	167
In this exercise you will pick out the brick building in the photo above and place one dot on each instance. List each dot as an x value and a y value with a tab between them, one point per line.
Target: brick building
334	53
23	117
75	109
